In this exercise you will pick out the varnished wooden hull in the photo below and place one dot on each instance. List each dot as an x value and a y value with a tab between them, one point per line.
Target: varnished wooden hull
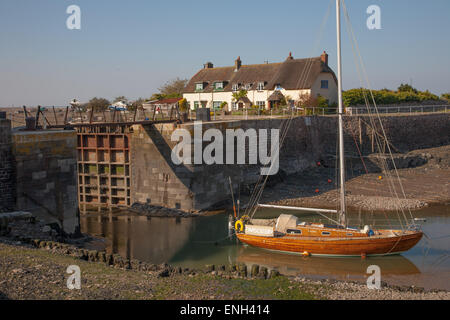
335	246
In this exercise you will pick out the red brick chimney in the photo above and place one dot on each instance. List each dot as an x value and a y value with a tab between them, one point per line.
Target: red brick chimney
324	58
237	64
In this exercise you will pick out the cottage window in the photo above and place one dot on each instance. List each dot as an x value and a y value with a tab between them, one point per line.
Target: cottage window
260	86
199	86
248	86
324	84
261	104
278	87
217	104
235	87
218	85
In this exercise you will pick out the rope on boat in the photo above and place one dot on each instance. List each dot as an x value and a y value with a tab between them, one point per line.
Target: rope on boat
260	185
357	54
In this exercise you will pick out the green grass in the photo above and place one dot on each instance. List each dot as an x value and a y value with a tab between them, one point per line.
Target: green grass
45	277
279	288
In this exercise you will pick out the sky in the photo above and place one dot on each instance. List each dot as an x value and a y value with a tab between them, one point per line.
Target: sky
131	48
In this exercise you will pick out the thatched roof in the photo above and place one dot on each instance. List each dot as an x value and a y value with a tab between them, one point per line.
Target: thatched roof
276	96
292	74
244	100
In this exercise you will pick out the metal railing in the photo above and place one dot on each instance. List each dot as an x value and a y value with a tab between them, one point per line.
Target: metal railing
400	109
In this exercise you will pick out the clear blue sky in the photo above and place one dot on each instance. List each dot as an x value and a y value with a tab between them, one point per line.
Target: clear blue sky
132	47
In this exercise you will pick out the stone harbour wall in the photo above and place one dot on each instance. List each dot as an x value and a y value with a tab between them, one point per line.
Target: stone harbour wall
156	180
7	200
46	180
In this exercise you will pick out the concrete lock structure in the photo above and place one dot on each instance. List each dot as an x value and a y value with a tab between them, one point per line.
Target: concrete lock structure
38	174
137	164
52	173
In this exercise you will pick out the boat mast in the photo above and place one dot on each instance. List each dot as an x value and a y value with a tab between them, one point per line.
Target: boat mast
342	212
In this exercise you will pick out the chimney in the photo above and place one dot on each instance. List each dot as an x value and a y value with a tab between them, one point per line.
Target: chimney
237	64
324	58
290	56
208	65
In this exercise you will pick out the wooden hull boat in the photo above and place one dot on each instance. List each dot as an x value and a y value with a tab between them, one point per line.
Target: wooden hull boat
287	234
385	242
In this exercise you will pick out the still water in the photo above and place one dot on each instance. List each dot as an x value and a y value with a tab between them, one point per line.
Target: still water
195	242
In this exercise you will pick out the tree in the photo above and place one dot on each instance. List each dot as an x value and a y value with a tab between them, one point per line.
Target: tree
173	88
137	104
407	88
120	99
306	101
446	96
239	95
284	102
157	96
98	104
183	104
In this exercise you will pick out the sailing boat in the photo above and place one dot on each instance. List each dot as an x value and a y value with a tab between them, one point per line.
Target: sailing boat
288	234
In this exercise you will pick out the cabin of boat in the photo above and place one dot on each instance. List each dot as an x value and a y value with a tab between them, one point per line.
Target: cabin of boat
291	226
288	234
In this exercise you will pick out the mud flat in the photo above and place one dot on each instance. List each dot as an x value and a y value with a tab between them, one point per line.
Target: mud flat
426	182
33	269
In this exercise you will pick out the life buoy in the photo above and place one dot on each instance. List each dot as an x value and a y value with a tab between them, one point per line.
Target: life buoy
239	226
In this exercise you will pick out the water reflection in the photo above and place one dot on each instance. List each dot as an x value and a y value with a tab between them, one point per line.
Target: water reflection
195	242
155	240
320	267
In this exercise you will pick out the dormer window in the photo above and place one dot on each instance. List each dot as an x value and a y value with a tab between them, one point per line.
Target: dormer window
248	86
235	87
198	86
218	85
260	86
278	87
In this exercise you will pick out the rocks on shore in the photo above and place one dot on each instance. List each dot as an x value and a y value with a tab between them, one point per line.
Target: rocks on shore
158	211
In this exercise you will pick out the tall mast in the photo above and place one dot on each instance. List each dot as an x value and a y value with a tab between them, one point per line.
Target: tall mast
342	212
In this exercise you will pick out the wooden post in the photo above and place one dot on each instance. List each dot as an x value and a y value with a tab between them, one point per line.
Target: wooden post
54	114
135	113
154	112
65	116
91	116
37	116
45	118
25	112
171	111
